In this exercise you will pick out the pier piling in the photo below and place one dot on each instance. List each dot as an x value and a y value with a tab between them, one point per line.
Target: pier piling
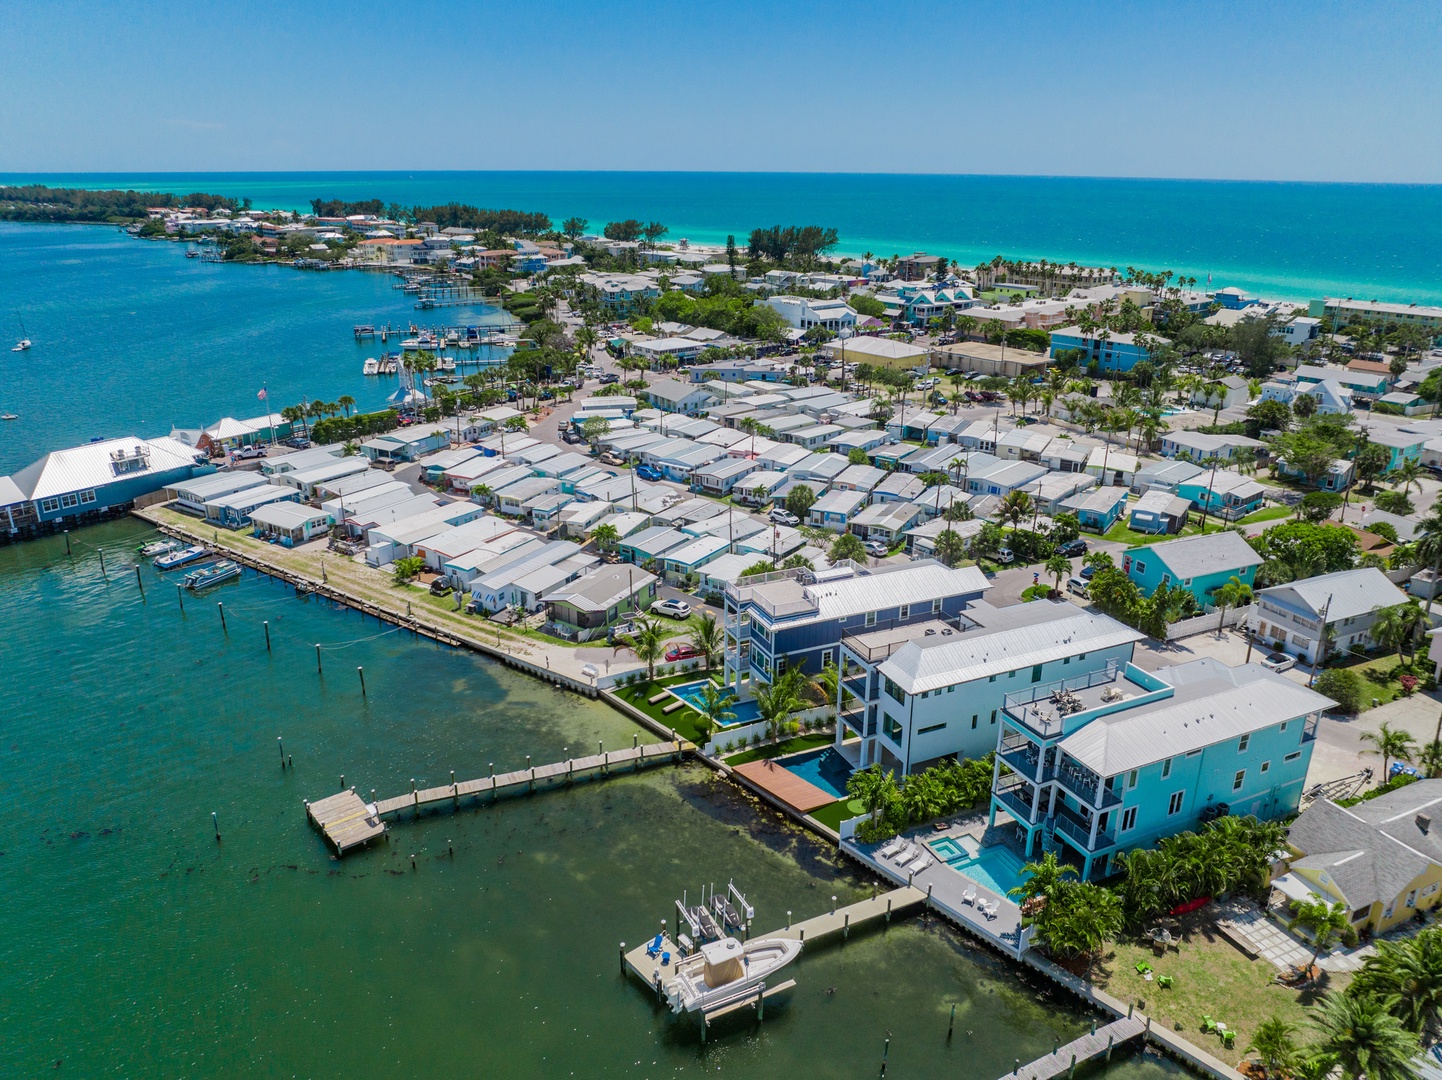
102	564
317	661
623	958
362	673
180	595
281	745
139	584
266	625
220	606
342	781
215	824
951	1025
67	542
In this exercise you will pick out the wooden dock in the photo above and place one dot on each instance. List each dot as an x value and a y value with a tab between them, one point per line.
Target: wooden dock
346	820
1099	1042
648	968
349	821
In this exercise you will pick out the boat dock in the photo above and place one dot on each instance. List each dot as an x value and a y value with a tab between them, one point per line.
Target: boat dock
1099	1042
645	963
349	821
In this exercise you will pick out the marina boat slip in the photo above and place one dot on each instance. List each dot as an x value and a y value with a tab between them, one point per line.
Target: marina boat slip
182	557
372	366
723	972
210	575
158	547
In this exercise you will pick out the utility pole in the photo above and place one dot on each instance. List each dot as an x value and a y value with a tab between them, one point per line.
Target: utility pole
1321	640
1211	481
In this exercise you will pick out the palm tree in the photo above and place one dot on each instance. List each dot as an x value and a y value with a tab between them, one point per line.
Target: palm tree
649	644
876	789
606	537
708	636
713	706
346	402
1277	1052
1042	878
1390	744
1405	475
1324	921
1430	758
1058	566
1361	1035
779	698
1410	971
1396	627
847	546
1233	594
949	547
1014	506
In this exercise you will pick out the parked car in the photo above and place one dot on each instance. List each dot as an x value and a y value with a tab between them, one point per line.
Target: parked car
783	516
877	549
1279	661
649	472
609	378
1005	556
675	609
1077	586
1087	572
609	458
678	651
297	442
246	452
1072	548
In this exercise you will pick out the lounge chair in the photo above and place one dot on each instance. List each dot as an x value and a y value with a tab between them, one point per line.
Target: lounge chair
969	897
892	848
1164	981
921	864
1143	968
984	907
907	854
1229	1037
1209	1026
655	946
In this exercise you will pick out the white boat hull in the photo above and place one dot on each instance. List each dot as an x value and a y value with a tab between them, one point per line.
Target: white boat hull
693	986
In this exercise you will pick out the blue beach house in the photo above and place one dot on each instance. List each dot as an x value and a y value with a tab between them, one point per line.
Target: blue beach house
1140	756
1223	493
1112	352
1201	564
1099	509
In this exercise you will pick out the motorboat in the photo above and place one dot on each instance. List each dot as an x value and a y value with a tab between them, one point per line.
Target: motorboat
8	416
372	366
21	345
158	547
210	575
179	558
726	971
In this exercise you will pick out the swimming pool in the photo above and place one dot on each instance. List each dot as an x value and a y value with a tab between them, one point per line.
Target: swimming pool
825	768
746	711
996	868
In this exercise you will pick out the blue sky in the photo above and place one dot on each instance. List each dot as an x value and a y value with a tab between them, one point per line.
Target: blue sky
1297	91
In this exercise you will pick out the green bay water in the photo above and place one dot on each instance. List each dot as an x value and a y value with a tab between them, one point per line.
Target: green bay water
137	945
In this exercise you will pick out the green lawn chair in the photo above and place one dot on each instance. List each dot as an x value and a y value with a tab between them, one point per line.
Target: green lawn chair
1143	967
1229	1037
1164	981
1209	1026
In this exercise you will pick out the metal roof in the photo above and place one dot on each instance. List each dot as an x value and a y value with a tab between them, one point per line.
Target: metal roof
1212	703
1198	556
1062	630
81	468
1351	592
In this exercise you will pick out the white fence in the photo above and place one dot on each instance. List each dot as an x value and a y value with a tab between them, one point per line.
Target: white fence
1201	623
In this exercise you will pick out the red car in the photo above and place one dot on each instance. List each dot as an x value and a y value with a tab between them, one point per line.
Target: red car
682	652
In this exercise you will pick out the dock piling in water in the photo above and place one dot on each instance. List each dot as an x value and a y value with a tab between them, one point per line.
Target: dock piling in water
67	541
138	583
215	823
102	564
362	673
281	745
220	605
266	624
317	661
180	595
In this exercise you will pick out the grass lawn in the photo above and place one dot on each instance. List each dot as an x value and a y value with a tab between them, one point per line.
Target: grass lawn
1379	678
793	745
1271	513
1036	592
683	720
1213	978
1123	535
832	816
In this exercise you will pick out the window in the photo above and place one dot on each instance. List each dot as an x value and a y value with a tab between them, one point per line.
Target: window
1174	804
1166	768
1239	779
1411	899
973	721
870	618
1266	767
1284	722
87	496
1011	674
1066	660
68	501
991	679
1129	818
1132	779
891	727
49	506
905	612
936	606
1293	756
1246	741
928	730
993	716
1141	568
1036	673
895	692
951	689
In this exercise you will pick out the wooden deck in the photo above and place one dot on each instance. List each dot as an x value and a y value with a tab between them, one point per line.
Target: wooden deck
346	820
1095	1044
800	795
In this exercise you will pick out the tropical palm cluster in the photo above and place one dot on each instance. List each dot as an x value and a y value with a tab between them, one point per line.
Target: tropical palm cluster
945	788
1072	918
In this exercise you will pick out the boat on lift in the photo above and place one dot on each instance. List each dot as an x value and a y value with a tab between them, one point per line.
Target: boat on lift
726	971
158	547
372	366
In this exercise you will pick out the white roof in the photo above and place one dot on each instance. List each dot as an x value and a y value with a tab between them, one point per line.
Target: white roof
1197	556
1052	632
1212	703
287	515
90	466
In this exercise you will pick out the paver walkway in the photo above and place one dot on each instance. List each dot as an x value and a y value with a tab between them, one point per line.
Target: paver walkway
1275	944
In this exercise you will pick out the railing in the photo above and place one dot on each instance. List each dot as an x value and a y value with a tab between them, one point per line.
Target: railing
1076	829
1026	764
1085	786
1016	805
872	653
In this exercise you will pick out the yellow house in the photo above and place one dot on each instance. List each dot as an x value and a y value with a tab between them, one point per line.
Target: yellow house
1382	858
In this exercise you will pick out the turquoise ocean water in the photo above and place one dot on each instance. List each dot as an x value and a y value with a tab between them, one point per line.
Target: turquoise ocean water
137	945
1288	240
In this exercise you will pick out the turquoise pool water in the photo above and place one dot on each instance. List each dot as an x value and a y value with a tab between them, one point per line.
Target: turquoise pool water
690	693
994	868
825	768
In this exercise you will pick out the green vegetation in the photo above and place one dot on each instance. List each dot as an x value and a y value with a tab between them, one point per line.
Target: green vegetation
36	202
794	745
945	788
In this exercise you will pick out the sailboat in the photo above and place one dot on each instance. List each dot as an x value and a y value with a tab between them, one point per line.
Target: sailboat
24	342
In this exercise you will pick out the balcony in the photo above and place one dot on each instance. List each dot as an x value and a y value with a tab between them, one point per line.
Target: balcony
1051	710
1023	759
1075	829
1017	801
1085	785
